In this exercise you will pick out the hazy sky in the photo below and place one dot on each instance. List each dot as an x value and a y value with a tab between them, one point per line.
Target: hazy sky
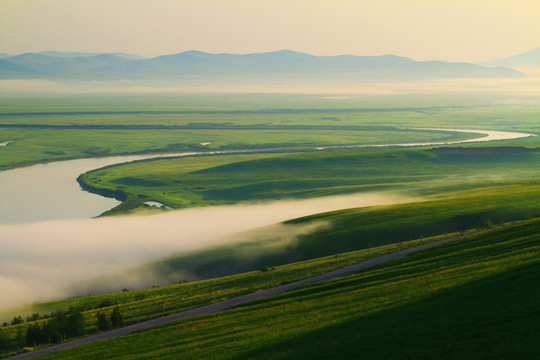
457	30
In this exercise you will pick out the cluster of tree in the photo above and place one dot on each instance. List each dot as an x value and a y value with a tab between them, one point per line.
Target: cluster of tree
17	320
62	325
115	320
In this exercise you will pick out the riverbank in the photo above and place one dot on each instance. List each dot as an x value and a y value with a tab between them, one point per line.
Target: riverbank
52	186
101	152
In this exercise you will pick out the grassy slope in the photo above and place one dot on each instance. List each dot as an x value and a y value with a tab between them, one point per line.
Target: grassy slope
474	298
145	304
362	228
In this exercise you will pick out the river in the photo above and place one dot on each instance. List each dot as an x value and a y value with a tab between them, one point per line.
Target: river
49	191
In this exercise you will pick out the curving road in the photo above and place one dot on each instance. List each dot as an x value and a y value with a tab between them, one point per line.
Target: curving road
227	304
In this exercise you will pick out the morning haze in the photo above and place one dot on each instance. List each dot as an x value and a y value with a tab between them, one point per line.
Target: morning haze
471	31
163	160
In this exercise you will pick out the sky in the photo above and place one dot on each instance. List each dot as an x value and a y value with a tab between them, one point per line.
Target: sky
453	30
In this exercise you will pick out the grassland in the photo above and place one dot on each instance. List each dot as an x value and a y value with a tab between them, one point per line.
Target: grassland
141	305
23	102
250	121
473	298
37	145
455	188
459	188
235	178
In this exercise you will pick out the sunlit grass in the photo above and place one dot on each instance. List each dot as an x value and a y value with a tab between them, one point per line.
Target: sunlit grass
472	298
140	305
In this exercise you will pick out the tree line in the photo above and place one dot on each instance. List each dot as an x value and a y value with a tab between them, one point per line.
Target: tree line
61	325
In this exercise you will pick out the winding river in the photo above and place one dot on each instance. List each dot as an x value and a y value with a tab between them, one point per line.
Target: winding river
48	238
49	191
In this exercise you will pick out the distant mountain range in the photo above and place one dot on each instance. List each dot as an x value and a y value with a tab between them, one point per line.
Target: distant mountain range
200	65
529	59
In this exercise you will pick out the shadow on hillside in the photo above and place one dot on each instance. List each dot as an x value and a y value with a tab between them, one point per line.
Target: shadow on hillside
495	317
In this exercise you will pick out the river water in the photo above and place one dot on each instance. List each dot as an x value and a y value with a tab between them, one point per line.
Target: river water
49	191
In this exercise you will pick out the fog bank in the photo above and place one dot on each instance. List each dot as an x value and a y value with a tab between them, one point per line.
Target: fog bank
238	253
40	260
524	86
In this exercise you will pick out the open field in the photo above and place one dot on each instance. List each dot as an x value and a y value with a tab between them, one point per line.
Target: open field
37	145
269	180
239	121
26	101
254	177
473	298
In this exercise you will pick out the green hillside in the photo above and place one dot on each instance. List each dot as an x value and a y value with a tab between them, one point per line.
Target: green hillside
473	298
141	305
356	229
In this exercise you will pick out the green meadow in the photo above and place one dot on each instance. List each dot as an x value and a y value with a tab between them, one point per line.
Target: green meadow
100	125
227	179
39	145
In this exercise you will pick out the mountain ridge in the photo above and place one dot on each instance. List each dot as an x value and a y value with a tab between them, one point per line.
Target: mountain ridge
199	64
529	58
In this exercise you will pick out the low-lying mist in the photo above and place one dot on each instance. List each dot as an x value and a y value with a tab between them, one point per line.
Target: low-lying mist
528	85
238	253
40	261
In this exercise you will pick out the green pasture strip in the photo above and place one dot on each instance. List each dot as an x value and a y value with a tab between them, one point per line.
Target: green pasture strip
146	304
230	179
469	299
191	101
163	110
30	146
